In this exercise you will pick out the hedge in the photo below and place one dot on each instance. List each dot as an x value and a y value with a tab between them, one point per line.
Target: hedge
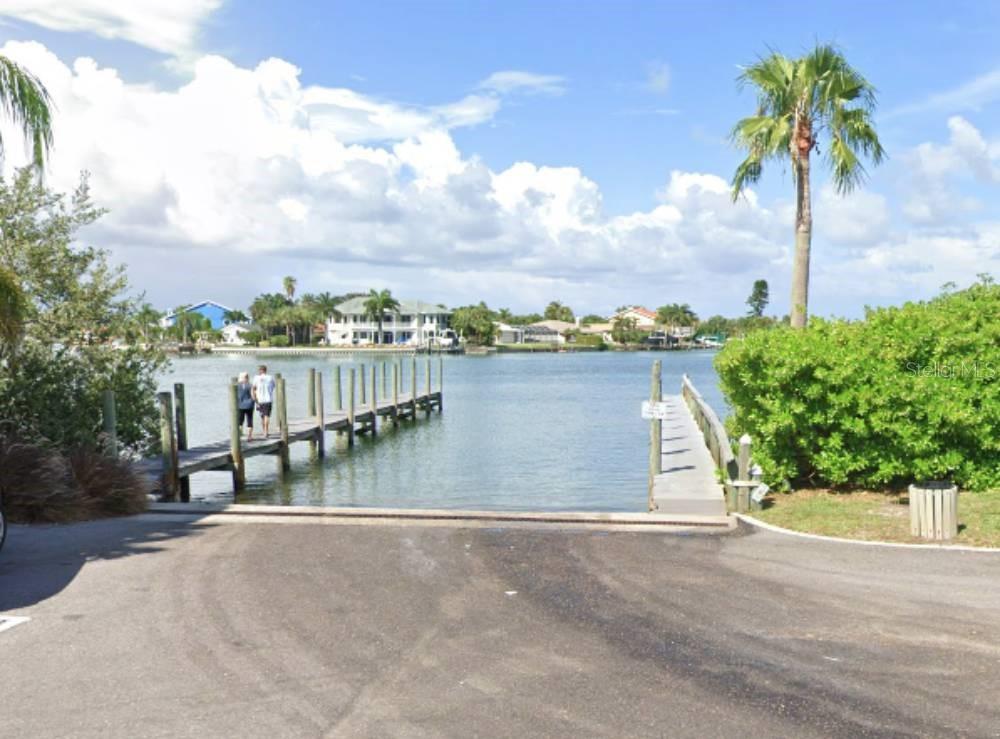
907	394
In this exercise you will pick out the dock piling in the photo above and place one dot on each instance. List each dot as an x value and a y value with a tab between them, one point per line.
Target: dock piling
350	406
311	401
413	388
655	431
168	446
427	386
743	467
338	395
440	383
236	440
385	380
284	462
361	380
320	417
373	400
180	415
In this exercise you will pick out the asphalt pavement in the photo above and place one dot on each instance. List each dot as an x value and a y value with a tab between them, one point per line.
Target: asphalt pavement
163	625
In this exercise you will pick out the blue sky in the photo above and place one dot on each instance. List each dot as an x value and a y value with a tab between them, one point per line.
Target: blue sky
618	113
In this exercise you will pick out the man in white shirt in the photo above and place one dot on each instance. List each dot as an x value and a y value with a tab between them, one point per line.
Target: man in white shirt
263	395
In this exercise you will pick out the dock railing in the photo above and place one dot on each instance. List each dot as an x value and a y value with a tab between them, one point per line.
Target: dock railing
738	476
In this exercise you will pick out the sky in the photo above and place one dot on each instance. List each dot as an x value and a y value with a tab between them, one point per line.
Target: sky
515	152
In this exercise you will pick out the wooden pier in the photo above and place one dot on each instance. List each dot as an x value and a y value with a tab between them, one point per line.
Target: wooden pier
693	469
363	399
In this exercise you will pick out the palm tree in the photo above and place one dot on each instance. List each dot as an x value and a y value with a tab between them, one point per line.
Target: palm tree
798	100
676	314
377	305
26	101
235	316
147	317
289	283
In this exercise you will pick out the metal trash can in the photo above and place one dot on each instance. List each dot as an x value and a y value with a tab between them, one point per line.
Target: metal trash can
934	510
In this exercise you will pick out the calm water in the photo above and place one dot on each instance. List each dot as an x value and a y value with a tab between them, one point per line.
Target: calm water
518	432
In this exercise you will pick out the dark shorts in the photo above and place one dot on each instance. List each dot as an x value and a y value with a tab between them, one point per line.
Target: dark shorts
264	409
245	413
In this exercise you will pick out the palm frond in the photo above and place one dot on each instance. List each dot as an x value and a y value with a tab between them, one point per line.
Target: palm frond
24	99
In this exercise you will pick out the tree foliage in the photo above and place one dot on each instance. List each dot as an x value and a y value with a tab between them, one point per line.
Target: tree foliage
759	298
556	311
26	103
475	323
908	394
676	314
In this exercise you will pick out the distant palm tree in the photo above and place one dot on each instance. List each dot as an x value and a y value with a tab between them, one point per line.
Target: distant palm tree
289	283
377	305
148	318
13	310
235	316
27	103
676	314
797	100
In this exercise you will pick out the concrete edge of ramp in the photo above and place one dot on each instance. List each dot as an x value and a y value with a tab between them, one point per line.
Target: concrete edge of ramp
757	523
577	519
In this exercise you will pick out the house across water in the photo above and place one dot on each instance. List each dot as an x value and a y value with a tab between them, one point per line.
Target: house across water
416	323
214	312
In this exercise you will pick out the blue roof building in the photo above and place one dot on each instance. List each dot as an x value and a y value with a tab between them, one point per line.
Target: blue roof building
214	312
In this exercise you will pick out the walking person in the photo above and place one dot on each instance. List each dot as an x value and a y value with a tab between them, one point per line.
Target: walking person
244	403
263	395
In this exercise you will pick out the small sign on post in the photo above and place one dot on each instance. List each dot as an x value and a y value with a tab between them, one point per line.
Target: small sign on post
655	411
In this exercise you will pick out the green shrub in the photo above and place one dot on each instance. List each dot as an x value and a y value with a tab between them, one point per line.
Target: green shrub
251	337
909	393
279	341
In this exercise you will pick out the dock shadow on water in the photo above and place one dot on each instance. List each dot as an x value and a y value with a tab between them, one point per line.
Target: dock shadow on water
519	432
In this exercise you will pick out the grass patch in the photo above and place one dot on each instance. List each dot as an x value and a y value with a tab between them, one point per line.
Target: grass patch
876	516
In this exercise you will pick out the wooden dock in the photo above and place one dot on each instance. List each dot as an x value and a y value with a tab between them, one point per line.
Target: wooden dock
693	469
362	401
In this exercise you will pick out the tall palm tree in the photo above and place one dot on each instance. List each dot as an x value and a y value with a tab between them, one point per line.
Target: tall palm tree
798	101
289	283
24	99
148	318
676	314
377	305
234	316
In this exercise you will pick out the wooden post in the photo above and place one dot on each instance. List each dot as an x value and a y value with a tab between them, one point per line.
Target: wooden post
167	446
350	406
180	413
427	384
284	460
440	382
395	394
109	423
655	431
338	395
236	440
311	401
743	465
320	417
413	383
373	400
361	379
385	380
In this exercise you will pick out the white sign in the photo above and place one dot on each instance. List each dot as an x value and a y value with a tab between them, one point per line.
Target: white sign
758	493
655	411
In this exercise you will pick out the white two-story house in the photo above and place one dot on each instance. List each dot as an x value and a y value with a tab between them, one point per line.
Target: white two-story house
415	324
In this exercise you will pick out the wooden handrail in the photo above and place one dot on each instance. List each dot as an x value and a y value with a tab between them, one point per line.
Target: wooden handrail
712	428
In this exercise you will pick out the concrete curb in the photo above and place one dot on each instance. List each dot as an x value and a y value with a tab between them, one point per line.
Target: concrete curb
751	521
576	518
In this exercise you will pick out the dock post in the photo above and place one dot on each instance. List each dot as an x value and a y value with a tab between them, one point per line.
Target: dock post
655	432
395	394
284	460
338	395
311	401
385	381
413	386
109	423
743	465
168	446
373	400
440	382
427	385
361	380
180	413
320	417
236	440
350	406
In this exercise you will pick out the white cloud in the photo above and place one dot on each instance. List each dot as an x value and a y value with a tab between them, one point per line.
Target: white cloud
859	218
513	80
168	27
658	77
972	95
933	171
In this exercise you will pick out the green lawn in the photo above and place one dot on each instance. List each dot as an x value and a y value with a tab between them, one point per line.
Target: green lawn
878	516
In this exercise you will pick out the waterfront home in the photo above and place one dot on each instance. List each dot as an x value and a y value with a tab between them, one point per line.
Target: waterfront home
644	318
539	333
232	333
598	329
416	323
506	334
214	312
